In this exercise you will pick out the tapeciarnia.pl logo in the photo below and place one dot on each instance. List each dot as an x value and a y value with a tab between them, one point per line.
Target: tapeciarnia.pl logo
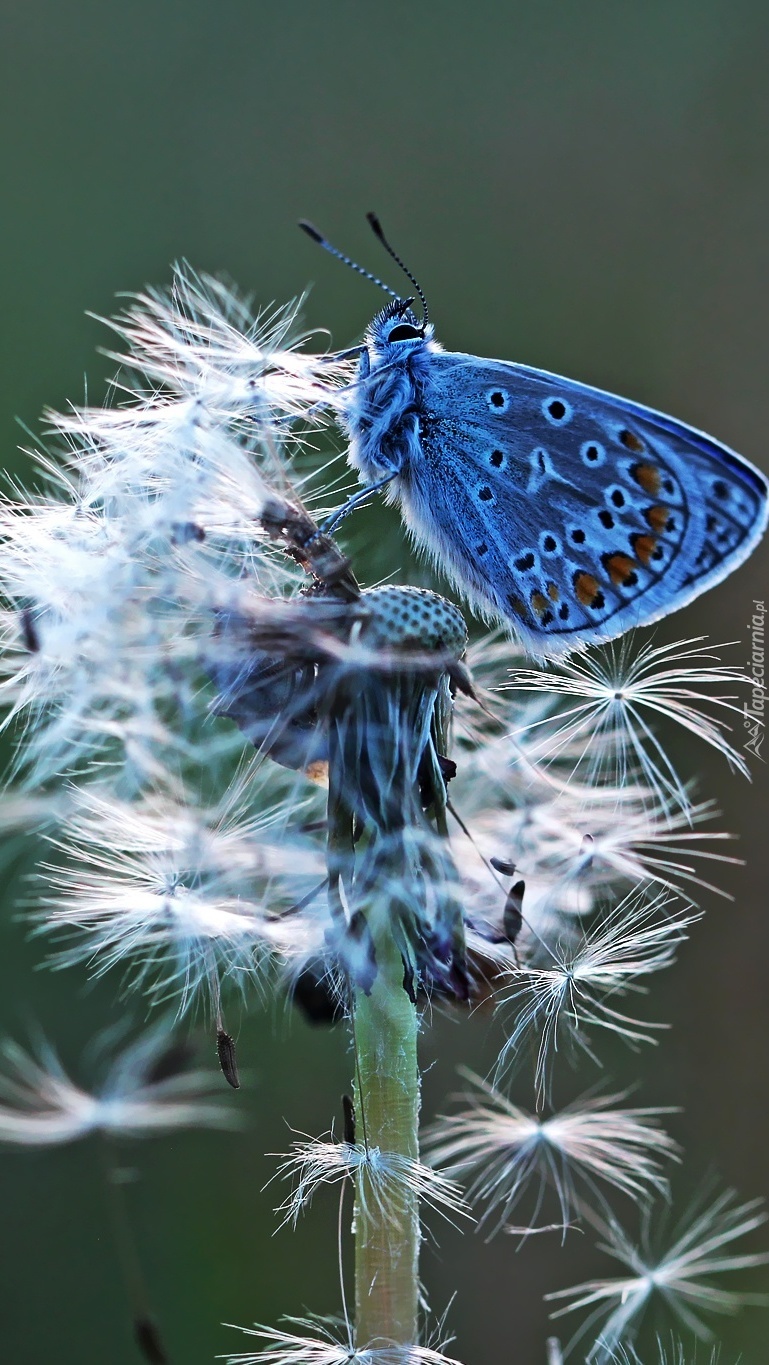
754	710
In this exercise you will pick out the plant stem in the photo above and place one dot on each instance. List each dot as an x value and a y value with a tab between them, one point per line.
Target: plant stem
387	1110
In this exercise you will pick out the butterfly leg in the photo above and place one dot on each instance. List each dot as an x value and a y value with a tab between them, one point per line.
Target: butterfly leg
331	523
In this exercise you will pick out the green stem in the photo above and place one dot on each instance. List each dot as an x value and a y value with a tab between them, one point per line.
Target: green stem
387	1112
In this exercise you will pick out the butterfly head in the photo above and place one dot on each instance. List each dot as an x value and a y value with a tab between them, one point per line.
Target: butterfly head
396	331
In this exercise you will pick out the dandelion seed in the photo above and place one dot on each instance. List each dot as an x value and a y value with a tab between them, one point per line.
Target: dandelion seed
225	1051
571	850
201	340
664	1354
188	897
574	991
503	1151
616	692
606	838
323	1346
384	1180
683	1276
141	1095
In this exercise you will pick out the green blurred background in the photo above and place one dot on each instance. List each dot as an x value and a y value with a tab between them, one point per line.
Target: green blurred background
581	187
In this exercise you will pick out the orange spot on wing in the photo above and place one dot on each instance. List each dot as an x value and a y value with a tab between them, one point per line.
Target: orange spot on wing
657	517
539	603
643	548
648	477
586	587
518	606
619	567
631	442
553	592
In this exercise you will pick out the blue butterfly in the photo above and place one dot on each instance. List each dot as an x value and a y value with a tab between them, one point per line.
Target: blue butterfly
569	513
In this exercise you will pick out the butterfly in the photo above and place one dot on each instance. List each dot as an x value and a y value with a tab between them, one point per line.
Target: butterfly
568	513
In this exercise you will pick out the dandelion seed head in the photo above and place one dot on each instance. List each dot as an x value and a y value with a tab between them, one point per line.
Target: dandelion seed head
384	1181
41	1106
319	1343
614	694
503	1152
685	1276
580	988
185	897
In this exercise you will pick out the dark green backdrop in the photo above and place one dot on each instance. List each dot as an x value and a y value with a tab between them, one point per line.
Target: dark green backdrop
579	186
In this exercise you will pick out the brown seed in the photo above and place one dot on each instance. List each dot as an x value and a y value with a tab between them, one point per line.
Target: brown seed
149	1341
348	1110
225	1051
503	865
512	915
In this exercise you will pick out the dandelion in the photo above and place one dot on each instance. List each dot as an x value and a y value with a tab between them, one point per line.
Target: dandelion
146	1091
238	760
683	1276
577	848
503	1151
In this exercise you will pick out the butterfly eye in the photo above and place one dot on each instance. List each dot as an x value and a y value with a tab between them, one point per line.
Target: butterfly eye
405	332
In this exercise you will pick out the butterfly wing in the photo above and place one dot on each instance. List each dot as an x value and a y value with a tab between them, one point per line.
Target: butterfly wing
573	514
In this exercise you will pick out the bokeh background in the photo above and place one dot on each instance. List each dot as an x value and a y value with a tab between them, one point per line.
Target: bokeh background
581	187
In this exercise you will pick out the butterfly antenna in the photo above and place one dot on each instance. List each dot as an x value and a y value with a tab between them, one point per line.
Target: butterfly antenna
376	228
318	237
